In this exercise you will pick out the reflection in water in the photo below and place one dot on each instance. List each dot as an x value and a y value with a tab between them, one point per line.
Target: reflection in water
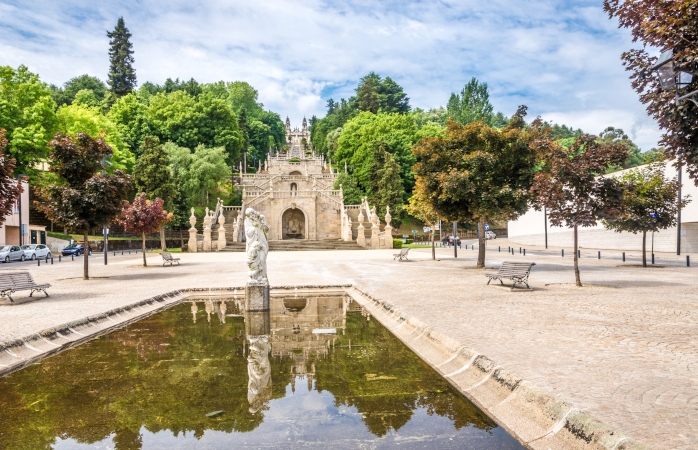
259	372
314	371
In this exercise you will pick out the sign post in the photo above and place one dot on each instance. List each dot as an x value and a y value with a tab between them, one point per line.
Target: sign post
455	236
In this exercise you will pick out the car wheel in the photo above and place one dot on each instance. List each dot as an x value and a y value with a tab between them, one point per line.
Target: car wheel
7	259
33	256
22	258
48	255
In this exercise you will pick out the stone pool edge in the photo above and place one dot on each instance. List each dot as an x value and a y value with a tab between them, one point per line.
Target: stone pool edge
533	416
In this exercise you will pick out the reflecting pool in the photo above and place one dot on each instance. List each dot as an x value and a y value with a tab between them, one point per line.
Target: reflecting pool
316	371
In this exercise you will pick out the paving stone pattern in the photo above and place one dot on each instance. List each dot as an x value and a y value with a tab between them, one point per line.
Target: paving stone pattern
626	353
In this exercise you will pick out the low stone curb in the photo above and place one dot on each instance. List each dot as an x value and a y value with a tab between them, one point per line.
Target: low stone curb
536	418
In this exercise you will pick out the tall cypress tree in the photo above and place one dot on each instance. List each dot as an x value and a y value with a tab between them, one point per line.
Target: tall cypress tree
122	75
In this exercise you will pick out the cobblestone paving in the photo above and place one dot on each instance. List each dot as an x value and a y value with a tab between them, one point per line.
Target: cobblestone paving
627	352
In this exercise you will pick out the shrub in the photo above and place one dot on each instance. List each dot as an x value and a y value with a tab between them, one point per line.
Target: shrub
409	241
294	160
397	243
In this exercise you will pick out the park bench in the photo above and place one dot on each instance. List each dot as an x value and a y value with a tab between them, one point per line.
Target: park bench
402	255
19	281
168	259
515	271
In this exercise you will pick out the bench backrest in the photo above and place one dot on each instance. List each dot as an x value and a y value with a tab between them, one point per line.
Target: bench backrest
16	279
166	255
515	268
404	251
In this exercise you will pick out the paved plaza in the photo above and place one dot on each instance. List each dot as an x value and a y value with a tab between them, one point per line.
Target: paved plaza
623	348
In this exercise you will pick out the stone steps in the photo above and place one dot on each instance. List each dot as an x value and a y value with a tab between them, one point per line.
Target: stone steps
298	245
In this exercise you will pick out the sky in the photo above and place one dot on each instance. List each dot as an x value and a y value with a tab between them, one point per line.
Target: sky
560	58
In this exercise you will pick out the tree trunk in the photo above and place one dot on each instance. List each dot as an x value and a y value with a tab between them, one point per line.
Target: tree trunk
577	280
433	245
644	249
481	244
145	263
85	255
163	241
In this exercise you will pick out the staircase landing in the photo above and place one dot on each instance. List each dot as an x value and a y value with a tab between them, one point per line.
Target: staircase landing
298	245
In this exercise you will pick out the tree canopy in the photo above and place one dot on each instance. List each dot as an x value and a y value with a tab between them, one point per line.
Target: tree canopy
668	26
122	75
79	196
27	113
9	187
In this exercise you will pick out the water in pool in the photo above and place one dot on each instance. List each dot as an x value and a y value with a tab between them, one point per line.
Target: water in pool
317	371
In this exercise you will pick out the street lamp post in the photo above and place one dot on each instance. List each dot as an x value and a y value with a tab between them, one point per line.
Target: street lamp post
105	230
20	177
672	78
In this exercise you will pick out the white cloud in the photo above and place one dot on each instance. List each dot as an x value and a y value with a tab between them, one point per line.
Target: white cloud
559	58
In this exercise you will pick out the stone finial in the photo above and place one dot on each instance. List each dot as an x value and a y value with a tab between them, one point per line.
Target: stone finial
374	215
361	216
388	217
192	219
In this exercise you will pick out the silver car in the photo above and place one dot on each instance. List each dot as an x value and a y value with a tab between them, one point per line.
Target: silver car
34	251
11	253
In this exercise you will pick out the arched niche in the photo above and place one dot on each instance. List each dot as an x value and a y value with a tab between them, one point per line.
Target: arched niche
294	224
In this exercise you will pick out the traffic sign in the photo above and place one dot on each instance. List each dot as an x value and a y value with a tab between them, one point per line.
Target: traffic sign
487	227
426	229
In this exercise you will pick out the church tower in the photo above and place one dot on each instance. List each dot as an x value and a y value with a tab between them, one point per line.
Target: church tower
305	126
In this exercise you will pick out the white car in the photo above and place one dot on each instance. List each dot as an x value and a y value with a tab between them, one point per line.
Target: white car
490	235
34	251
11	253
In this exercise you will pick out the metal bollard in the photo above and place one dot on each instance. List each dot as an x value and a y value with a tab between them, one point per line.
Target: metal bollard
599	254
72	257
46	259
59	258
38	261
524	252
652	258
114	253
579	253
52	260
623	256
499	248
519	250
688	261
563	252
129	251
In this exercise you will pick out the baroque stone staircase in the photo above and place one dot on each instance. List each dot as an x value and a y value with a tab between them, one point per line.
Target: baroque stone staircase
298	245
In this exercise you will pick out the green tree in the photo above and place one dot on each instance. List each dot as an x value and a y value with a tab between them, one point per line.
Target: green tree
78	118
386	187
27	113
79	196
200	174
436	117
472	105
477	173
420	207
66	94
353	194
86	97
571	187
152	176
132	121
649	203
122	75
241	95
671	27
375	94
355	145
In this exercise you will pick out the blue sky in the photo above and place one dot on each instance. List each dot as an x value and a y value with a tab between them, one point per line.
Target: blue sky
560	58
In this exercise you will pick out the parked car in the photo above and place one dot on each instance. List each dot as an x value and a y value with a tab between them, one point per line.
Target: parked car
11	253
33	251
76	249
448	240
490	235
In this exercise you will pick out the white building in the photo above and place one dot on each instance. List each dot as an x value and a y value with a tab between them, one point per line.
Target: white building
530	228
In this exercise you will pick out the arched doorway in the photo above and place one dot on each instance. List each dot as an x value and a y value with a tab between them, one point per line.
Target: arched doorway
293	224
295	172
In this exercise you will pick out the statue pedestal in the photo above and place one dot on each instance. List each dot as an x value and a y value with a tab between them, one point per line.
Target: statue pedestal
192	244
257	323
256	297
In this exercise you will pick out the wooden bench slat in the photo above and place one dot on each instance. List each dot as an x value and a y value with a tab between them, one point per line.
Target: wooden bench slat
20	281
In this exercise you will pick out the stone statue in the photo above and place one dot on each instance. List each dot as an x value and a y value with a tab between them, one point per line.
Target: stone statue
374	215
259	373
294	226
257	236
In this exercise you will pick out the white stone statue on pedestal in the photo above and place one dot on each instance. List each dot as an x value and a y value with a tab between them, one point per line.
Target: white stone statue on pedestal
257	235
192	246
258	372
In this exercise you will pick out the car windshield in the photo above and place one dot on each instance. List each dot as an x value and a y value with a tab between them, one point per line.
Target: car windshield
5	248
29	247
73	246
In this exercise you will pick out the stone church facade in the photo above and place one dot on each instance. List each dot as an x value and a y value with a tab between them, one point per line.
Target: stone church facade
295	192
